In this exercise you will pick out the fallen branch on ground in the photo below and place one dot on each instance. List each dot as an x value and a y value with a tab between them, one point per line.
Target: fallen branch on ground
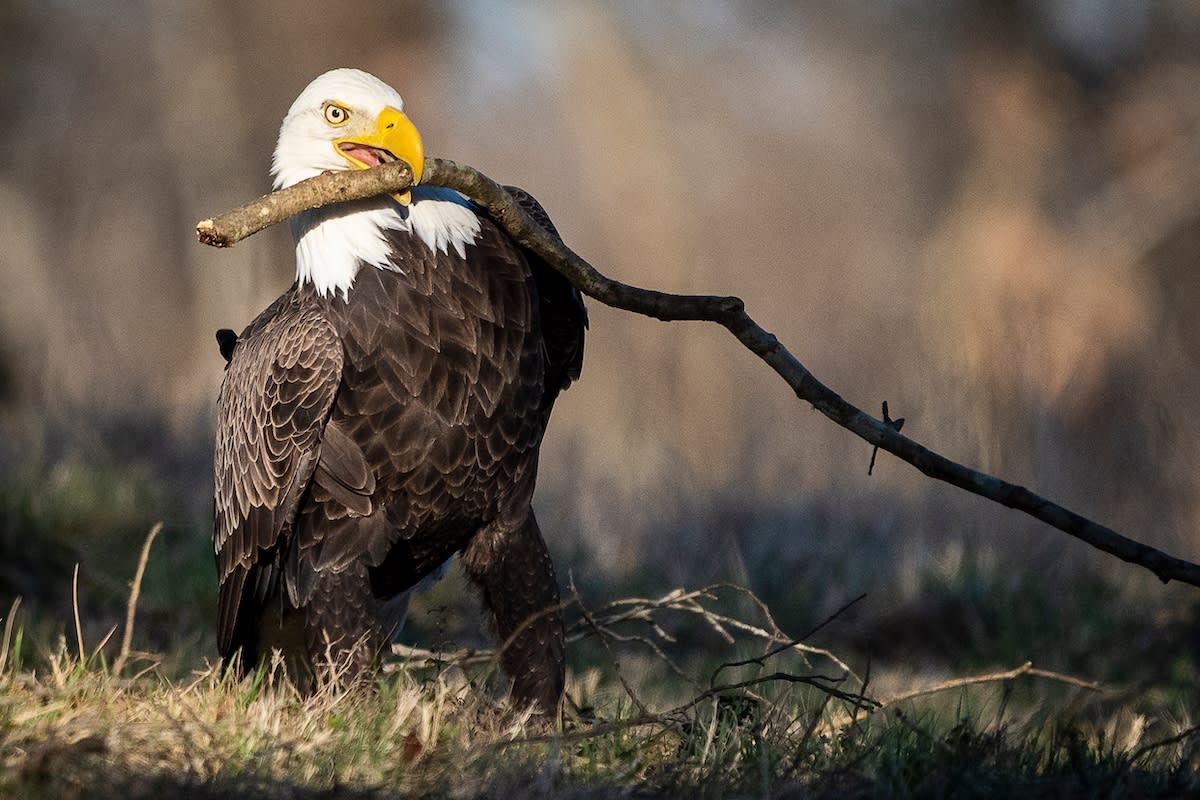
993	677
643	611
729	312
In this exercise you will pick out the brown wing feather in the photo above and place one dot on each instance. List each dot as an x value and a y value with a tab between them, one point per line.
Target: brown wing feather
563	314
342	473
274	403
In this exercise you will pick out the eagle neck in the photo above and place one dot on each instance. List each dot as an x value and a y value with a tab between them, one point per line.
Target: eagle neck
334	242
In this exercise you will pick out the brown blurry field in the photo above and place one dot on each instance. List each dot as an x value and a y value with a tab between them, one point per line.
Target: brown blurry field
985	213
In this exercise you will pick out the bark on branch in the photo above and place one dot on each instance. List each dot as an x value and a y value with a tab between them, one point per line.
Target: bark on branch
729	312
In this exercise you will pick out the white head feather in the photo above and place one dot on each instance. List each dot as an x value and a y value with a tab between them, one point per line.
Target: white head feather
333	242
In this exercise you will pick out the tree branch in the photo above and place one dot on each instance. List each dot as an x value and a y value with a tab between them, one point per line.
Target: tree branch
992	677
729	312
231	227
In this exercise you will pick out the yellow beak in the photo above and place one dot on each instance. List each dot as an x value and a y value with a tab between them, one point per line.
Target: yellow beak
394	137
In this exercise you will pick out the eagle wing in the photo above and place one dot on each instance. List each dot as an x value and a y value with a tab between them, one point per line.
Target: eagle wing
560	306
272	413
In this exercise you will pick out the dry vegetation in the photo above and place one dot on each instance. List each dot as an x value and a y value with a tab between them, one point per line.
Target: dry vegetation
786	719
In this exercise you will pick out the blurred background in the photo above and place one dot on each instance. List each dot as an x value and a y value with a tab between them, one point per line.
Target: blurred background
984	213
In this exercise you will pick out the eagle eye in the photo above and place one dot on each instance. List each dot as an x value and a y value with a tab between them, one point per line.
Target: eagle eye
336	115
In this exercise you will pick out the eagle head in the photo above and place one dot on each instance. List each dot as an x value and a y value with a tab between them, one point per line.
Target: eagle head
345	119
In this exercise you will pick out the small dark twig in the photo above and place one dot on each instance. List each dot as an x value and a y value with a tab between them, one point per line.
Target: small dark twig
774	651
583	610
857	699
896	424
1146	749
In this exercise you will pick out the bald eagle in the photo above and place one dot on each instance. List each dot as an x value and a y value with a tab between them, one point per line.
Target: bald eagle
386	412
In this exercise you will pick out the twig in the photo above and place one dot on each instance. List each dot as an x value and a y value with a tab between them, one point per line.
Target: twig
75	610
753	630
845	607
1146	749
774	651
607	647
6	640
103	643
858	699
896	424
135	591
862	690
639	609
778	633
607	634
728	312
671	717
434	658
1025	669
630	608
758	601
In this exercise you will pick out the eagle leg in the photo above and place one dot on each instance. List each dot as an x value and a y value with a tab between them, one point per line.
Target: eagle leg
342	632
514	574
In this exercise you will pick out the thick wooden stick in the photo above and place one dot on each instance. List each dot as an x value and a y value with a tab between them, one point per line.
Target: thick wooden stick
730	312
229	228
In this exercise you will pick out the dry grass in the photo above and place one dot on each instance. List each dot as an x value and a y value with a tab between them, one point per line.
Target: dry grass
780	718
74	731
72	726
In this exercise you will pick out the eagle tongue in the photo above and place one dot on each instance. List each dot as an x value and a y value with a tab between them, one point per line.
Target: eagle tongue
371	156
